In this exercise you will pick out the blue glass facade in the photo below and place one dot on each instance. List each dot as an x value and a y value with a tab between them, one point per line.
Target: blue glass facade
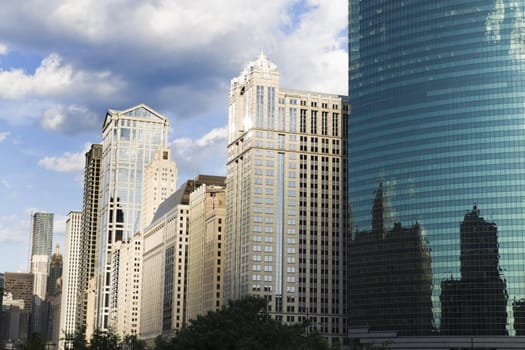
437	148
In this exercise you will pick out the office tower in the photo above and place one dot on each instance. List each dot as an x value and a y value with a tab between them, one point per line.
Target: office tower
41	247
71	277
89	231
160	181
205	250
287	215
165	256
437	91
130	140
42	234
18	288
126	286
54	295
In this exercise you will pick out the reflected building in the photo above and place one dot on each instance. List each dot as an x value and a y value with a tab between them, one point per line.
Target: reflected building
390	272
437	92
476	303
518	308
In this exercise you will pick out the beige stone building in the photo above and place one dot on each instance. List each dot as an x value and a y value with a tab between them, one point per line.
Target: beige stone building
165	257
287	214
205	250
126	286
159	182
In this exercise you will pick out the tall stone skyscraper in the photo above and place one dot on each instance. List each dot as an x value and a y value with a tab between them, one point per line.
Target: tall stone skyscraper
437	90
287	215
89	232
71	275
130	140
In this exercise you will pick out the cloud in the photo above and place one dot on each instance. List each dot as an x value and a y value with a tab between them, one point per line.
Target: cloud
13	229
6	184
3	48
54	78
68	163
59	225
205	155
69	119
4	135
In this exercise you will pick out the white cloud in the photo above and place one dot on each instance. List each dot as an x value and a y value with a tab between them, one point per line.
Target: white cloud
69	162
59	225
6	184
3	48
4	135
54	78
13	229
205	155
69	119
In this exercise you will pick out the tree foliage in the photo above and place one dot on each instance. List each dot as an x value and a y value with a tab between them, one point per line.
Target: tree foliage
241	325
103	340
34	342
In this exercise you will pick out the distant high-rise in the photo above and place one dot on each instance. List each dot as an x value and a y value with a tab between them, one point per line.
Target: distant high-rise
130	140
89	230
18	289
42	234
71	275
54	295
287	214
437	90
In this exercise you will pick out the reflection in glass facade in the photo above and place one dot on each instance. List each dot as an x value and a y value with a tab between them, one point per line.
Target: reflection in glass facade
437	90
131	138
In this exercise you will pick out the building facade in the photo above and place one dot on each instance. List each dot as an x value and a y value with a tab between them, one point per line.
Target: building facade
54	296
160	181
71	276
205	250
287	215
89	231
437	91
126	287
42	234
130	140
165	262
17	309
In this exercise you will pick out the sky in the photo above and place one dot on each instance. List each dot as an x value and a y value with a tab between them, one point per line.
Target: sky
64	63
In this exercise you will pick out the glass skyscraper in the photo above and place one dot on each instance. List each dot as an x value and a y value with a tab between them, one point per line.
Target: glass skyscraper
437	166
130	140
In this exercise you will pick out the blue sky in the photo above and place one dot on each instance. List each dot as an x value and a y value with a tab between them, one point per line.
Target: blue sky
64	63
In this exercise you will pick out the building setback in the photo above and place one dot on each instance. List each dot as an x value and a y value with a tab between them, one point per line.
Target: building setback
287	214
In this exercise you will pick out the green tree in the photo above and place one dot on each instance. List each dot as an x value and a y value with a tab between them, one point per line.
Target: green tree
241	325
104	340
76	340
34	342
131	342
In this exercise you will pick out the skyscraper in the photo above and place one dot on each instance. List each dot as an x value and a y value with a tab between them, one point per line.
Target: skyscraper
286	218
130	140
41	248
71	275
89	231
54	295
437	90
42	234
